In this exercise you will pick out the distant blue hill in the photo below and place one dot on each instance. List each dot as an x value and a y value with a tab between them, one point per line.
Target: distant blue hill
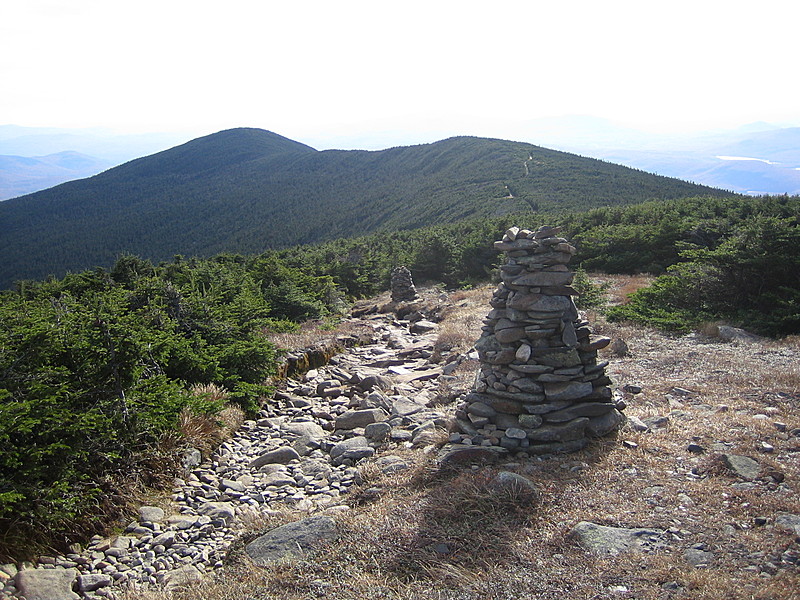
20	175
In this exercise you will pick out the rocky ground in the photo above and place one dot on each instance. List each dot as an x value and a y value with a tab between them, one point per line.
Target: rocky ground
355	472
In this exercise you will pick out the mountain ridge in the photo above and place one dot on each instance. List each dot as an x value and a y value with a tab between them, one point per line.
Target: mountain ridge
248	190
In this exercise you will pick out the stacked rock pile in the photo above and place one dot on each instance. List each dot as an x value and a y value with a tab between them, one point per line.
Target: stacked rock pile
402	285
540	388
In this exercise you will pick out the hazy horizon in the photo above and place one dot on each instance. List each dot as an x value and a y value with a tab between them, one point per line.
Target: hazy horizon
371	74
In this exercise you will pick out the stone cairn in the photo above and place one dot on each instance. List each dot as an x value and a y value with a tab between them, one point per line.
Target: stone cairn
540	388
402	285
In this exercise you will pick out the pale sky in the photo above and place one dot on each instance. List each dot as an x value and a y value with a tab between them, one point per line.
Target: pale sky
317	69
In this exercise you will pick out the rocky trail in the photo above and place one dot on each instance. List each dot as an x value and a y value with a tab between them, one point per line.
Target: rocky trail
301	452
695	498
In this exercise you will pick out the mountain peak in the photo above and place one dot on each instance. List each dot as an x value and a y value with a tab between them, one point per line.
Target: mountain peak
222	149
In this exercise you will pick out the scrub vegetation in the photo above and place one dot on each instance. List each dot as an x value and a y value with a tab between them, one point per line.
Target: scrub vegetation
98	368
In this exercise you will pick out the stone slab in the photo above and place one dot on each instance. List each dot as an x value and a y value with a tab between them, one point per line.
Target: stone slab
292	540
605	540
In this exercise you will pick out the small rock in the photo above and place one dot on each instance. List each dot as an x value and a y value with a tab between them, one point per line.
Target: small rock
743	466
181	578
166	539
698	558
678	391
468	455
218	510
353	448
378	432
301	428
789	522
153	514
636	424
230	484
360	418
670	585
518	484
441	549
93	581
601	539
516	434
422	327
659	422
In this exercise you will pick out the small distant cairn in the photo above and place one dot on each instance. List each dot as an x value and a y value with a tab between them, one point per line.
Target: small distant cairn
402	285
540	388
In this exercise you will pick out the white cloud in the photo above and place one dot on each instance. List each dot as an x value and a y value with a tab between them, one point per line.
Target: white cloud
318	66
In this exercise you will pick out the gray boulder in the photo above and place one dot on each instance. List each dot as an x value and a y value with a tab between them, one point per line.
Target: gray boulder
378	432
460	456
281	455
572	430
743	466
309	428
354	449
698	557
604	540
515	483
360	418
47	584
605	424
153	514
291	540
789	522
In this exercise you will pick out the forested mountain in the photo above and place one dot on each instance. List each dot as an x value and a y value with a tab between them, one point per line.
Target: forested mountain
247	190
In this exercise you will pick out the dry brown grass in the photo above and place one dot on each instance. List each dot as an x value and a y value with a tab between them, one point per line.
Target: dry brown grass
462	319
316	332
206	431
508	547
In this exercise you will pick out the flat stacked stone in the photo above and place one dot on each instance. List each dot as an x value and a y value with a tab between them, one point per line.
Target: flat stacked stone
402	285
540	388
